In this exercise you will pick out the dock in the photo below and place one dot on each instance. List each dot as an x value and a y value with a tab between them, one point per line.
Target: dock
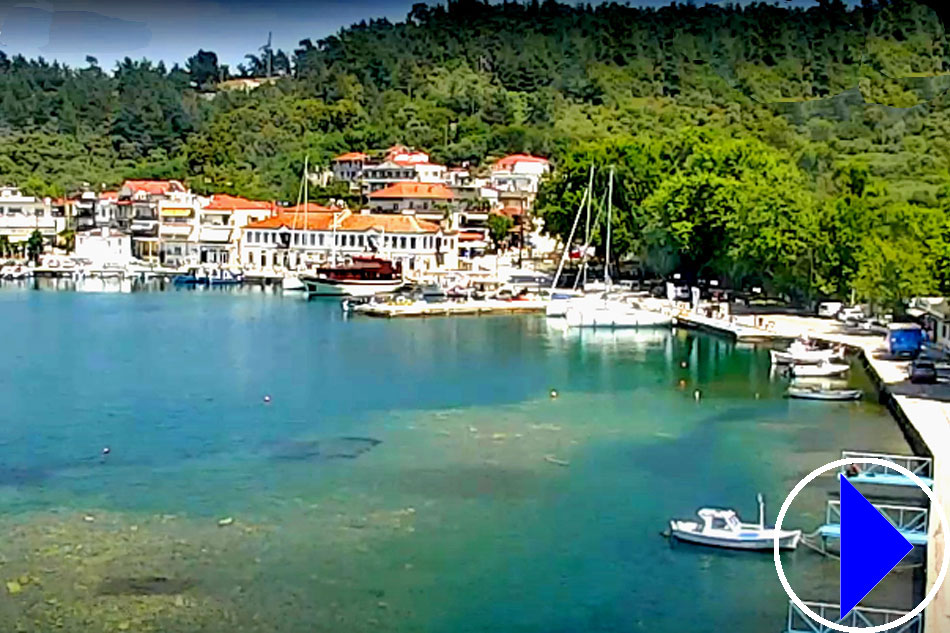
744	329
450	308
923	413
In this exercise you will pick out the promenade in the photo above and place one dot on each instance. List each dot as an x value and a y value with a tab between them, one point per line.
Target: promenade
924	413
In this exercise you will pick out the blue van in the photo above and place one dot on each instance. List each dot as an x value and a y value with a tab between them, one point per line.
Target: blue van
905	339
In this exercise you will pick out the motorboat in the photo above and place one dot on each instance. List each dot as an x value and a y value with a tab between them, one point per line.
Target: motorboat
819	393
801	353
819	370
363	276
719	527
612	313
291	282
223	277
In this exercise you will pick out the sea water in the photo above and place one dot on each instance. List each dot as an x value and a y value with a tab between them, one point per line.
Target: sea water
276	466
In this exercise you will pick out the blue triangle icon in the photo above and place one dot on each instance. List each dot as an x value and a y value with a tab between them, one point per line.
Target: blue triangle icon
870	547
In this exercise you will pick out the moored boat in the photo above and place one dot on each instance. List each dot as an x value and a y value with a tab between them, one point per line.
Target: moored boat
719	527
822	369
818	393
802	353
364	276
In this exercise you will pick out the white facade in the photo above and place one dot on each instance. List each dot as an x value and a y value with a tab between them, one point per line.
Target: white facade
20	215
104	246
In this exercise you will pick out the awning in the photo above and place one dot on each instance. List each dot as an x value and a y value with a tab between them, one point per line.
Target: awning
176	213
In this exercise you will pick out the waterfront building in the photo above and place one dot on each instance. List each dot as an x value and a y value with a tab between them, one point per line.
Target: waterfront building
178	229
20	215
220	219
106	213
137	210
517	178
104	246
292	239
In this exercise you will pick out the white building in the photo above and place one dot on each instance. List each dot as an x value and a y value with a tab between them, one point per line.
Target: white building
137	210
349	167
20	215
220	220
104	246
107	209
288	240
519	176
430	201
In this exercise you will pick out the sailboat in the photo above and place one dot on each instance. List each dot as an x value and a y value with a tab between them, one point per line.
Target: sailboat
610	310
560	299
291	282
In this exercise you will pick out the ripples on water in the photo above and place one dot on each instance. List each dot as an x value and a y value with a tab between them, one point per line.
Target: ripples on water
398	478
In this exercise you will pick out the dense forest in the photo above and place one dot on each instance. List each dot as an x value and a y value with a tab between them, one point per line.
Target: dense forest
808	150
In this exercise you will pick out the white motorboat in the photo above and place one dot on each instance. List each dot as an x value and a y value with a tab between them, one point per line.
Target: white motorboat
612	313
291	283
820	370
720	527
801	353
818	393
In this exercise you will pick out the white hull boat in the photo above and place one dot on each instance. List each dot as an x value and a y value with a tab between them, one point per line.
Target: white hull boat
722	528
817	393
806	357
349	288
292	283
820	370
613	314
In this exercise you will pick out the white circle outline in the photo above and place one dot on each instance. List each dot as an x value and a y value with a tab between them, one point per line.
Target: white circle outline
934	507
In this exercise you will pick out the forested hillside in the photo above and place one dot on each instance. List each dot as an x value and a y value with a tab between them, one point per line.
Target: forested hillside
777	128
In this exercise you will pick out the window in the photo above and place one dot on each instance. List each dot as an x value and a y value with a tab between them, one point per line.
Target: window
313	239
402	242
296	238
360	241
321	239
412	243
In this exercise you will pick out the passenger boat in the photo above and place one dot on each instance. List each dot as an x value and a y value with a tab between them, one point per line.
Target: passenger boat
819	393
822	369
719	527
364	276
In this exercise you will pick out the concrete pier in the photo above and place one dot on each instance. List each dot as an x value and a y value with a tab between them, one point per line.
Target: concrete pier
923	412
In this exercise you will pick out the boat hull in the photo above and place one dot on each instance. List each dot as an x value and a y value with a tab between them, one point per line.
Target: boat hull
819	371
613	319
763	541
829	395
353	288
807	358
292	283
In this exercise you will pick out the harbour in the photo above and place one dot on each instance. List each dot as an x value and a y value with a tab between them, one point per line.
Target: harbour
481	484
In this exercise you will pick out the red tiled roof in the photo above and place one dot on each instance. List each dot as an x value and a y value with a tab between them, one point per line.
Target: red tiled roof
509	161
109	195
350	156
154	187
225	202
416	190
470	236
388	223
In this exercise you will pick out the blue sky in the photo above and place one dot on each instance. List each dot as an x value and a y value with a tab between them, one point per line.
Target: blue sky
172	30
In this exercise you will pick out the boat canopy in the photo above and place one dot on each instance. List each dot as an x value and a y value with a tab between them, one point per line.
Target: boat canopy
719	518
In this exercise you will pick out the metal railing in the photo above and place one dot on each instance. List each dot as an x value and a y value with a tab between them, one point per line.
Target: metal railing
920	466
904	518
863	617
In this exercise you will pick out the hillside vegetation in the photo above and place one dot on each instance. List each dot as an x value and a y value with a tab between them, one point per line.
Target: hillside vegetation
808	150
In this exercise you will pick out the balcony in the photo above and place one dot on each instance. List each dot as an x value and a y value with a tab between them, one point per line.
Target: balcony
179	231
147	228
215	234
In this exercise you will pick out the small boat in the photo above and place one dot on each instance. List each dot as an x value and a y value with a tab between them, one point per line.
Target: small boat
291	283
822	369
719	527
819	393
801	353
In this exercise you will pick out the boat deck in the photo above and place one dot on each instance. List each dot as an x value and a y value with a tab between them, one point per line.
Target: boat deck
451	308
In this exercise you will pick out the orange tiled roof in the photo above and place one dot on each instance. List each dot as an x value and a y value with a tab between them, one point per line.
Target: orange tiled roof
416	190
225	202
350	156
109	195
388	223
509	161
154	187
307	222
311	207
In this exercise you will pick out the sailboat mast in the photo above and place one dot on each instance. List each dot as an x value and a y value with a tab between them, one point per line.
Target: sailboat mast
590	187
306	204
610	199
570	238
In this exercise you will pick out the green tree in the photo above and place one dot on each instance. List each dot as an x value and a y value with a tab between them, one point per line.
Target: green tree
34	245
498	227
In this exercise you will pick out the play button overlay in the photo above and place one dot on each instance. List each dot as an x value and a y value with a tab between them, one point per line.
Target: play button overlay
870	547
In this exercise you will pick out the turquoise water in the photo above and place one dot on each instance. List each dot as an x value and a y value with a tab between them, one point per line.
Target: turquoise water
397	479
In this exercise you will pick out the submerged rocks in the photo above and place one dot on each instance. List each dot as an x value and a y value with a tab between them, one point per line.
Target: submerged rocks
347	447
144	586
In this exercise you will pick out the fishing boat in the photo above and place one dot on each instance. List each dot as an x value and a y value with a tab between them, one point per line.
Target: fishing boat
720	527
362	277
819	370
818	393
799	354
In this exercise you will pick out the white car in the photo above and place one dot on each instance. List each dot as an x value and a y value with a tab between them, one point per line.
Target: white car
850	315
828	309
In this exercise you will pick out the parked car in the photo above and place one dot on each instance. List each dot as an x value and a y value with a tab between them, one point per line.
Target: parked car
923	371
853	314
829	309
